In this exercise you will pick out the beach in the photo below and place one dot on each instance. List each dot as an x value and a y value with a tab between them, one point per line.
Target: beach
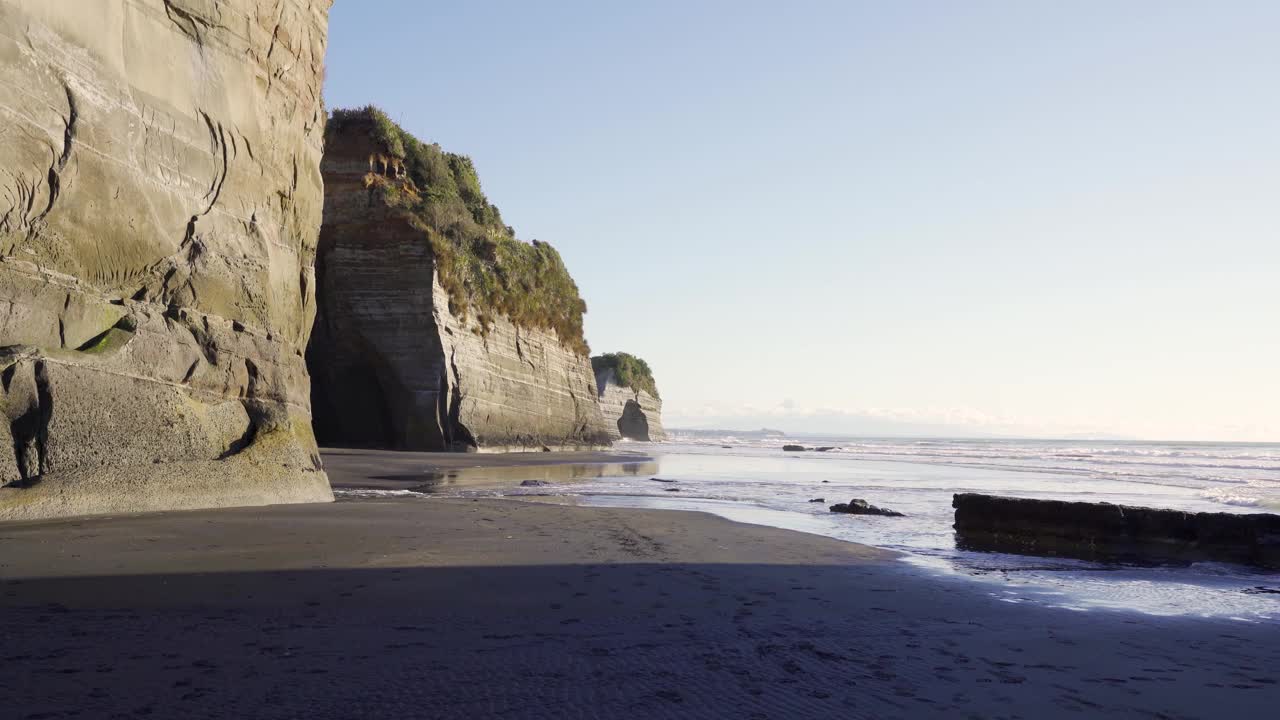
927	373
475	607
753	480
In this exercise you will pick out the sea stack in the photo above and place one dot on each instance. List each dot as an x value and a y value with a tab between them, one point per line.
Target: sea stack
439	329
158	221
628	397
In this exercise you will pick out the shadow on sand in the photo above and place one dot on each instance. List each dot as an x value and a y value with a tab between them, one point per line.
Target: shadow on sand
642	640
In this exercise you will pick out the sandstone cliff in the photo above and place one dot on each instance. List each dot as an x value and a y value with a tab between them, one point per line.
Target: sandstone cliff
628	398
398	359
159	208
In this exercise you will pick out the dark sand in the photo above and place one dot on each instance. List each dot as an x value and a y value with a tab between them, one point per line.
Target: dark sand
409	607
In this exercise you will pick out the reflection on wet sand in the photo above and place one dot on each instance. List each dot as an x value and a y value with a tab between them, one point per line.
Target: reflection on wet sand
352	469
481	476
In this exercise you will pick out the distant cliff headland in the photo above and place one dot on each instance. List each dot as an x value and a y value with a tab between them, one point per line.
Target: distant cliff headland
438	328
628	397
202	272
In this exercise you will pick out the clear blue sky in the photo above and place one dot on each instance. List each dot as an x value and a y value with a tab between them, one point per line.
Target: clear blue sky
991	217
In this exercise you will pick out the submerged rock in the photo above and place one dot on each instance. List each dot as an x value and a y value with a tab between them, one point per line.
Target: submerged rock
1102	531
534	483
794	448
858	506
159	210
818	500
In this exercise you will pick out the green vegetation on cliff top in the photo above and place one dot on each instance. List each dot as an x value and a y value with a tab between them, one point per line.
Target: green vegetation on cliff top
483	267
628	370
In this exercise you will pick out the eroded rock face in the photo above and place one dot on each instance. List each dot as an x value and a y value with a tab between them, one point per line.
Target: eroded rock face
630	414
393	367
1102	531
158	217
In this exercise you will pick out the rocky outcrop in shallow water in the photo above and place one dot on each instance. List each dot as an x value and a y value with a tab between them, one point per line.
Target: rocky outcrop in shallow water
858	506
631	414
159	209
1102	531
395	367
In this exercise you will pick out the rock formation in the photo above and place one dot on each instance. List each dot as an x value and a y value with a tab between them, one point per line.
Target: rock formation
858	506
159	209
1102	531
631	408
398	360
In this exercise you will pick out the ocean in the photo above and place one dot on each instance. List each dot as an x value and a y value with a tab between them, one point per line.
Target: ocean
749	478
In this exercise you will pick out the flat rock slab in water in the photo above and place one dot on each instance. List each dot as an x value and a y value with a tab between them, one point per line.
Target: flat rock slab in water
858	506
1102	531
794	448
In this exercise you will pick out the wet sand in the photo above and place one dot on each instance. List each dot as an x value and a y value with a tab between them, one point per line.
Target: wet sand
362	469
450	608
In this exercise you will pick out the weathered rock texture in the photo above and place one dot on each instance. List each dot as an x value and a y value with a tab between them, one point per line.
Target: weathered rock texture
858	506
394	367
1114	532
629	413
160	200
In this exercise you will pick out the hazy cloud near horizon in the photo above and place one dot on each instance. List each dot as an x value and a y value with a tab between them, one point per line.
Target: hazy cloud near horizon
1054	217
913	422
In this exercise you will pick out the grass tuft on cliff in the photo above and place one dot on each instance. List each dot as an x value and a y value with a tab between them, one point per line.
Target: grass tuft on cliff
629	370
484	268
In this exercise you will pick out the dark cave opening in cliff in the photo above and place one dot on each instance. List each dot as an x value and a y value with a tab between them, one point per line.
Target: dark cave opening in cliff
353	413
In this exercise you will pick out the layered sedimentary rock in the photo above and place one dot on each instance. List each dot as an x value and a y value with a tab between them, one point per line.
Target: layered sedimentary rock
1114	532
393	365
159	208
630	413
